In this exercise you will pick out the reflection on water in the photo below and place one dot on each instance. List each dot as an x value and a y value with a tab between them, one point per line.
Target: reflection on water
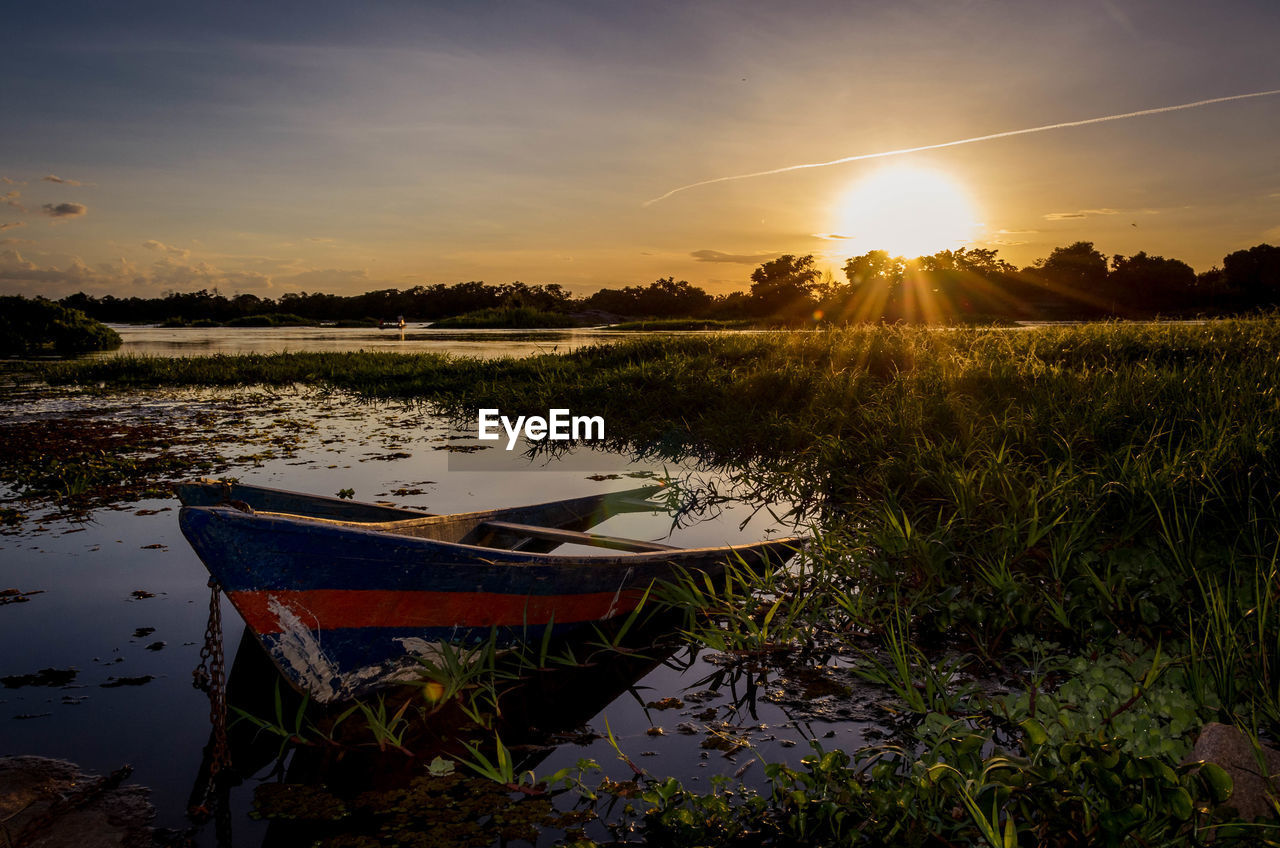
670	710
118	602
417	338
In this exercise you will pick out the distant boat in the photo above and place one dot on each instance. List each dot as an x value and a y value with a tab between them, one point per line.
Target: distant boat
346	596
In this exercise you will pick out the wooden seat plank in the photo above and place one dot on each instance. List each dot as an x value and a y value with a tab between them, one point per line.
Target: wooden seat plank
574	537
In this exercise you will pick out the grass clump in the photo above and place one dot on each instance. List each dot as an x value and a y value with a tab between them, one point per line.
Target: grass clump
39	327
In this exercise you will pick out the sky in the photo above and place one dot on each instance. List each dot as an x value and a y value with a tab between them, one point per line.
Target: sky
267	148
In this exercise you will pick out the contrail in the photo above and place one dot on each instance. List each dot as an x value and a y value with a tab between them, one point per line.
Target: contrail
905	150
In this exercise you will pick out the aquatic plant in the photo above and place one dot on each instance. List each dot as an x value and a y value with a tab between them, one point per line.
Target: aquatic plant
1087	514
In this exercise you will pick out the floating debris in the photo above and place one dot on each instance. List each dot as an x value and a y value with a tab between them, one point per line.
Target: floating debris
388	457
666	704
116	682
297	801
43	677
16	596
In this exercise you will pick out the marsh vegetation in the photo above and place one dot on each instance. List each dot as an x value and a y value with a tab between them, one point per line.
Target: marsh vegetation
1053	551
40	327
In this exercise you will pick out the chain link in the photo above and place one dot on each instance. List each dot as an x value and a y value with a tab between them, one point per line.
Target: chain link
210	676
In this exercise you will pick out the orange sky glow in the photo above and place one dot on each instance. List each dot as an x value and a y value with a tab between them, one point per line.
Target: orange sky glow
598	145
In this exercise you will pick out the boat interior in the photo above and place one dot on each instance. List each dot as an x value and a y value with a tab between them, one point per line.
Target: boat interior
537	528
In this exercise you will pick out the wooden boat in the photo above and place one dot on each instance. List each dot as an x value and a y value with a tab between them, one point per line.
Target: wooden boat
345	598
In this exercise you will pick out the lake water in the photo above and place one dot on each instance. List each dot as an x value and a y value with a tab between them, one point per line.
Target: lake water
118	600
417	338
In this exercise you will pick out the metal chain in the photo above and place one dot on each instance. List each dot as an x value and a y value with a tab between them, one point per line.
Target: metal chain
210	676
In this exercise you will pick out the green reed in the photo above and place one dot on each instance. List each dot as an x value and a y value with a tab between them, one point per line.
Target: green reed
1109	490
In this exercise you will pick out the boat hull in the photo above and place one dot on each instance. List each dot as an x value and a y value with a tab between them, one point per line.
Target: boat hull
342	610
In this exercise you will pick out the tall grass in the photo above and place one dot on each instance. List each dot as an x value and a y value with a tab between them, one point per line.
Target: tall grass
1005	482
1113	488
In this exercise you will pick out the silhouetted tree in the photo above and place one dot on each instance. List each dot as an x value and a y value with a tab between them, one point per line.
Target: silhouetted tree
871	294
785	287
731	306
966	284
663	298
1147	285
1254	274
1077	273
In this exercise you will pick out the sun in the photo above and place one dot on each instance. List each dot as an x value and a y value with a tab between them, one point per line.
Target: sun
907	211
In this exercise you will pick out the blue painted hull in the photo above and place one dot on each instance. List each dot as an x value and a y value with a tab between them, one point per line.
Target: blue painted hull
342	608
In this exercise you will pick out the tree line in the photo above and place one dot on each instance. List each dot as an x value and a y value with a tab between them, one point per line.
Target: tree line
969	284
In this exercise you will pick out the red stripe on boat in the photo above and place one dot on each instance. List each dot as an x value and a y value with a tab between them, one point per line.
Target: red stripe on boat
332	609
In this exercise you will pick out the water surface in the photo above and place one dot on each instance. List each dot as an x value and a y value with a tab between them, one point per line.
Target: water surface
417	338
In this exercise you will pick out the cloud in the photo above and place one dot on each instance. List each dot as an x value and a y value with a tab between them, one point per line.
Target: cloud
12	225
1273	233
1079	213
22	274
740	258
1015	232
170	272
8	181
832	236
161	247
13	199
64	210
325	278
54	178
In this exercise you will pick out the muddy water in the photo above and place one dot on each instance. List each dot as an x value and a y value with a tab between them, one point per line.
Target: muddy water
96	653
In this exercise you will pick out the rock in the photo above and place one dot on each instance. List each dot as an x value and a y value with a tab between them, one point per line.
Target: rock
1253	785
66	810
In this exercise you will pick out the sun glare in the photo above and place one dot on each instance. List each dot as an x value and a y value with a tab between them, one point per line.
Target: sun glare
907	211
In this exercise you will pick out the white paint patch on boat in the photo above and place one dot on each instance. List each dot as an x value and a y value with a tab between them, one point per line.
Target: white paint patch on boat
297	647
